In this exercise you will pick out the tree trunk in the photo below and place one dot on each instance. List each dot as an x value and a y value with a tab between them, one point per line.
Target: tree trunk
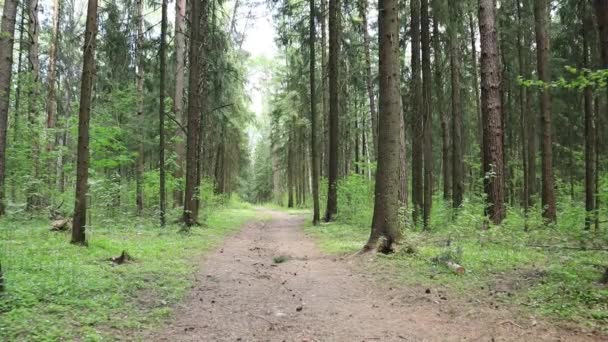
51	102
363	8
541	16
86	90
325	87
33	197
194	116
314	146
417	118
178	101
523	115
427	111
601	13
7	38
491	112
140	77
457	149
476	88
590	127
386	204
446	162
334	52
161	119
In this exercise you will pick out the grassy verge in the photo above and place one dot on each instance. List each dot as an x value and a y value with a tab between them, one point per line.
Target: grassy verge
56	291
501	264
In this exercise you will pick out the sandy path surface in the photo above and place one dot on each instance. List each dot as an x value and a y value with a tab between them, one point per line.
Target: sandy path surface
242	295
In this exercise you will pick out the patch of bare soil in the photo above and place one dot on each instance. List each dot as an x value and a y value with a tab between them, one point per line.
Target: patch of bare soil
271	283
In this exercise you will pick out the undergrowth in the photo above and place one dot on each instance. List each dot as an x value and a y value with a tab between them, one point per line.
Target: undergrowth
549	270
57	291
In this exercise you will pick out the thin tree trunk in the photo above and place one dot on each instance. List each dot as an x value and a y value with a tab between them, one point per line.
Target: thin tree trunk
51	103
161	122
325	89
523	117
385	221
457	149
491	112
33	197
417	118
368	76
140	77
590	126
334	76
86	90
427	111
446	162
476	87
7	38
541	16
178	103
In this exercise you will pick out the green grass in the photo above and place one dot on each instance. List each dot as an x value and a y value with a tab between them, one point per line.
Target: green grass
57	291
501	265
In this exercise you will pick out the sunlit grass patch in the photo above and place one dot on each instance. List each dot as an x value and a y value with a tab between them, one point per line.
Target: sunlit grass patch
55	290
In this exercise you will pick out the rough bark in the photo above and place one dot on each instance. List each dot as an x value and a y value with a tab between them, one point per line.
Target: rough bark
194	117
457	149
385	223
368	76
86	90
178	100
314	146
541	18
140	77
161	114
7	38
491	112
416	117
334	53
427	111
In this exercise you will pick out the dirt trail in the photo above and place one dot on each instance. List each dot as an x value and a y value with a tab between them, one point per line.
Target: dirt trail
242	295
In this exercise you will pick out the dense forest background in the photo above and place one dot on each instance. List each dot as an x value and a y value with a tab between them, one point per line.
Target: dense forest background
448	117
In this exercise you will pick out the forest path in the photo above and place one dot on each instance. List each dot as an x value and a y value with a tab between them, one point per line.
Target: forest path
241	294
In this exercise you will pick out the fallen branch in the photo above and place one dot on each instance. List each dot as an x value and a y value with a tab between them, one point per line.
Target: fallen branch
511	322
582	249
455	267
122	258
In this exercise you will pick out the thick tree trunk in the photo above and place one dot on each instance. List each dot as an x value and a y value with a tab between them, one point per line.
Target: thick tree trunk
541	16
7	38
86	90
491	112
140	77
386	204
194	113
178	101
417	118
334	53
368	76
427	110
161	119
314	146
457	149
